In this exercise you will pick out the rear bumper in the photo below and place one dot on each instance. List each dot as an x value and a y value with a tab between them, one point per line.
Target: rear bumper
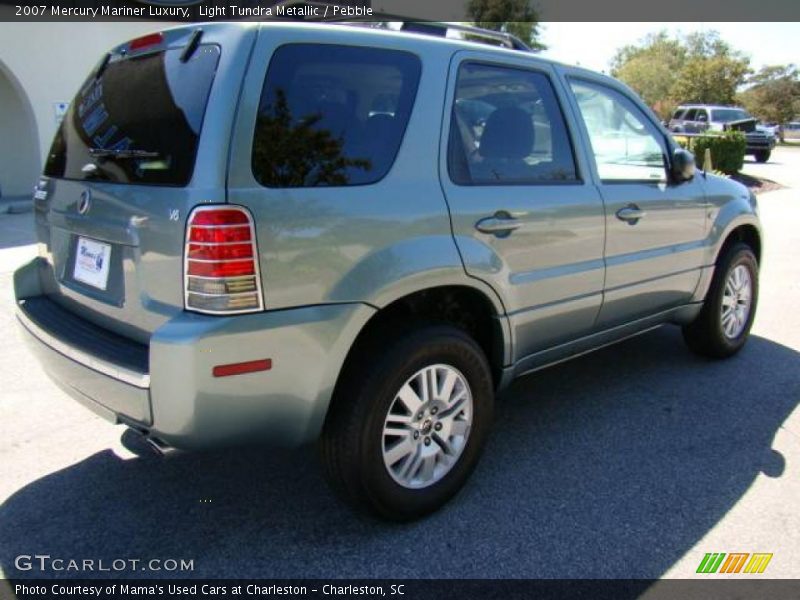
175	397
109	389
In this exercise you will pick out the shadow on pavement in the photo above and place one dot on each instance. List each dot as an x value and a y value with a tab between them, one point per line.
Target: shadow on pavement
613	465
16	230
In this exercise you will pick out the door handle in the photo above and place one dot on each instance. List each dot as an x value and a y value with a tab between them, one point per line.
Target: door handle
631	214
500	224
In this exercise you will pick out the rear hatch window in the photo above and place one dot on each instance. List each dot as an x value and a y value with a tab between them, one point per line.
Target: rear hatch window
139	122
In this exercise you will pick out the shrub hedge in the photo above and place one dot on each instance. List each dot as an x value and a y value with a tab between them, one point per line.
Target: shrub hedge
727	149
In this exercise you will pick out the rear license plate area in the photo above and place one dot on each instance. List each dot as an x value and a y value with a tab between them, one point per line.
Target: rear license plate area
92	263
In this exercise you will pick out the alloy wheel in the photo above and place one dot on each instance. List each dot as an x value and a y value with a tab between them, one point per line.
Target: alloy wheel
427	426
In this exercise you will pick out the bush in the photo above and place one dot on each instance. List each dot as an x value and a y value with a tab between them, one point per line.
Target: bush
683	141
727	150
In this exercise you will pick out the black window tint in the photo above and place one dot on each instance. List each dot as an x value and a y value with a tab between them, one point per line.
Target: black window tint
332	115
153	103
507	127
690	114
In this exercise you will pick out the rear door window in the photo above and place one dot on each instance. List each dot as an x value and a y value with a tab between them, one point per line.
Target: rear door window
139	122
332	115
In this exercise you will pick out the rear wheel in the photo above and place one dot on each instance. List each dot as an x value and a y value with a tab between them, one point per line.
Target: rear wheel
723	325
762	156
407	428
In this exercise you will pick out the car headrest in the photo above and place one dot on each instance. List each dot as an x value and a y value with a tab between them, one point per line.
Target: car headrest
508	133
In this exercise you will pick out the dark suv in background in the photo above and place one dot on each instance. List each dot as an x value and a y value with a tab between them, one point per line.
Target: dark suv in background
699	118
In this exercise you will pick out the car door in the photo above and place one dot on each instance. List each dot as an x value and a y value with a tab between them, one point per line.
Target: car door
701	120
655	227
526	219
687	122
675	121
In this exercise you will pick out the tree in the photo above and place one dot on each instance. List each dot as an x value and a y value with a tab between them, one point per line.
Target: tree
774	94
707	44
713	71
517	17
292	153
667	71
652	69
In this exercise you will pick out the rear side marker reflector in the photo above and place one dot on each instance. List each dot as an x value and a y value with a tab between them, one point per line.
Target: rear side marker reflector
221	274
241	368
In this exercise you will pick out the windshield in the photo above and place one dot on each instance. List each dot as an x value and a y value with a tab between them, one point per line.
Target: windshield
139	122
726	115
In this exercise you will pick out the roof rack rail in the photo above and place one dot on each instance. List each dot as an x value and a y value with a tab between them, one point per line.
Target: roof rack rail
441	29
410	25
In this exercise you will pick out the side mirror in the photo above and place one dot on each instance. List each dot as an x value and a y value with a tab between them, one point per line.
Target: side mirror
683	165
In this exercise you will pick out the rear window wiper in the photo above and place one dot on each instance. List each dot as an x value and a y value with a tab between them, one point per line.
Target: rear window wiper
131	153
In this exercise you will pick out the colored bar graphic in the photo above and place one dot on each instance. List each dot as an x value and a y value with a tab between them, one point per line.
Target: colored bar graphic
758	563
734	562
710	562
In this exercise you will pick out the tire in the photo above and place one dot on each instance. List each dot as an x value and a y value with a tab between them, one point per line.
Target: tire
708	335
763	156
355	442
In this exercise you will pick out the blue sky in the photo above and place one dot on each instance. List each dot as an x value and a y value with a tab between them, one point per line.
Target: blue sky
592	45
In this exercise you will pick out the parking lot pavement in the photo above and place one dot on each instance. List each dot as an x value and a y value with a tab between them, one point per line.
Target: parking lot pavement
783	166
630	462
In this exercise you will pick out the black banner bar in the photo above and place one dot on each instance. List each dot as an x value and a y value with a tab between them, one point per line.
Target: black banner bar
382	10
420	589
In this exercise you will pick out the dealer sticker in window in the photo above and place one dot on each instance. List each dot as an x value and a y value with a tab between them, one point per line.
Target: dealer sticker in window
92	261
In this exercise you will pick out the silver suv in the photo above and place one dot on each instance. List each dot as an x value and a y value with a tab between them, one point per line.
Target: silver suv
699	118
286	233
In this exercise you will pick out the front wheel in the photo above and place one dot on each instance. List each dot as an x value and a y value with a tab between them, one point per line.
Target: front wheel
723	325
763	156
406	429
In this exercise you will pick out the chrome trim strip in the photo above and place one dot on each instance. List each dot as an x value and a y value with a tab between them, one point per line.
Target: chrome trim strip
140	380
221	260
210	295
231	226
247	242
231	278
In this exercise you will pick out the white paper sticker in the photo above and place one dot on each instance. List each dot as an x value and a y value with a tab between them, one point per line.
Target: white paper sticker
92	261
60	111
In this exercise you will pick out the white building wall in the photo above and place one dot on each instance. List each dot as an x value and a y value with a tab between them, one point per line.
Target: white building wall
19	148
46	63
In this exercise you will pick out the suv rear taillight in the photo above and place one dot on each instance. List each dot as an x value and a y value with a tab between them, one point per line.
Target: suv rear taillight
220	271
